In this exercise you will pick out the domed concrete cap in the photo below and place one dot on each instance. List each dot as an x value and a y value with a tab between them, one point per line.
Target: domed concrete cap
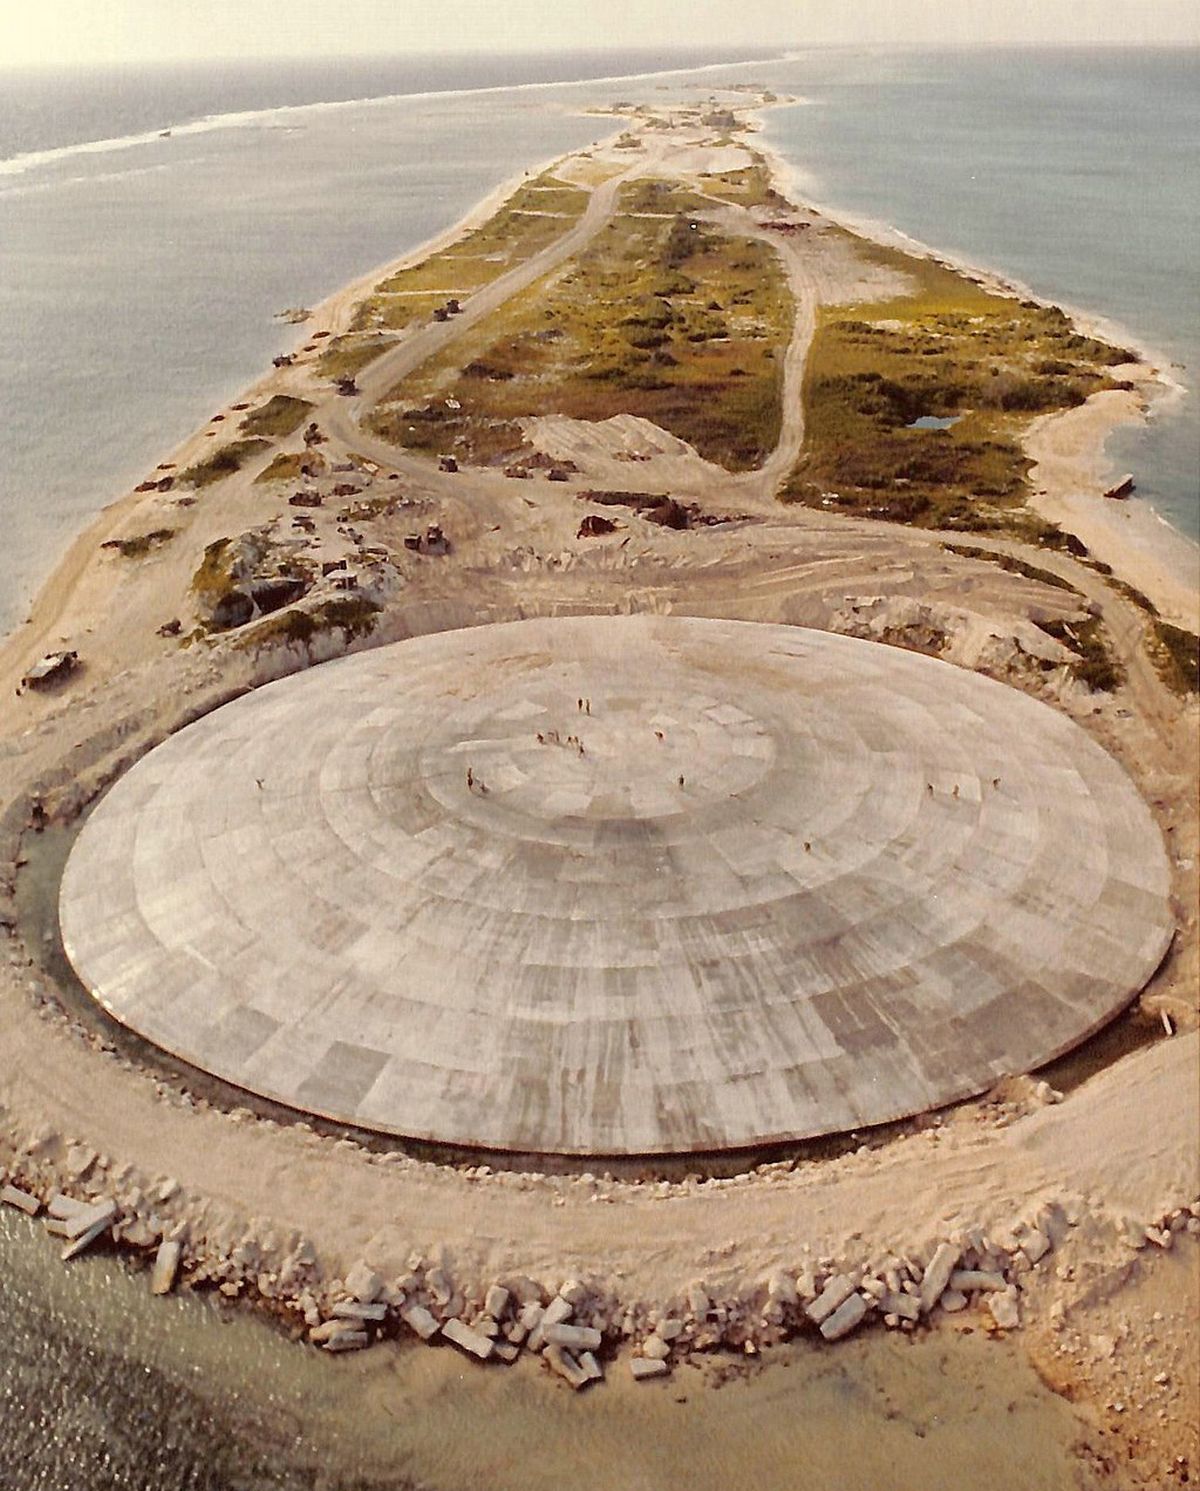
615	885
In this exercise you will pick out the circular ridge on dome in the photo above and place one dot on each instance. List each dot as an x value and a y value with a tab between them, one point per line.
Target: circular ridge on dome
620	885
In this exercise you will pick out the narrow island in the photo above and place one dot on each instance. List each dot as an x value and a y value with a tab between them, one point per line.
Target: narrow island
642	420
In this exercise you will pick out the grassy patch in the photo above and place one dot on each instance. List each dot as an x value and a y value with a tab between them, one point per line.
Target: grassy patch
289	466
750	187
660	317
347	355
141	544
662	198
535	215
223	462
947	348
1176	654
281	415
1094	664
214	574
354	615
394	311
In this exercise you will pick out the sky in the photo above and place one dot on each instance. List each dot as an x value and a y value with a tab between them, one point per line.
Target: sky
99	31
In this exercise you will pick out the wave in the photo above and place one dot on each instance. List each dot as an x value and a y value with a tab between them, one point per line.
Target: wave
31	160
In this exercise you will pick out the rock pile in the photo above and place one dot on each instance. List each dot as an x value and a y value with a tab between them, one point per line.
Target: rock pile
575	1327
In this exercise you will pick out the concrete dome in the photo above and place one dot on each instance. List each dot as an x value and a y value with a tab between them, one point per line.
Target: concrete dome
777	883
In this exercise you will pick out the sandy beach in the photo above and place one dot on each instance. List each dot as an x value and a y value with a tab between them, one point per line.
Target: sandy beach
1073	1198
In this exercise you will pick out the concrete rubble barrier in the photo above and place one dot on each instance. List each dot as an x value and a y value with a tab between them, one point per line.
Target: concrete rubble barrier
866	878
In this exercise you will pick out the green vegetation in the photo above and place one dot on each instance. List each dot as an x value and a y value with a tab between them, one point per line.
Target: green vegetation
289	466
535	215
1094	664
750	187
661	198
223	462
214	574
1176	654
947	348
393	312
354	615
347	355
137	547
660	317
281	415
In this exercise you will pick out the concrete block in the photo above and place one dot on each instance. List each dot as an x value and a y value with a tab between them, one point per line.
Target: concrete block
364	1283
329	1330
560	1360
577	1337
836	1292
937	1275
1034	1244
646	1366
557	1311
974	1280
84	1240
496	1301
848	1315
166	1266
347	1341
906	1306
62	1208
352	1309
462	1335
531	1315
22	1200
418	1319
1004	1309
101	1213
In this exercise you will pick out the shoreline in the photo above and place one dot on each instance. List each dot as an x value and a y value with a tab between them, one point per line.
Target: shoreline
993	1182
1074	497
29	160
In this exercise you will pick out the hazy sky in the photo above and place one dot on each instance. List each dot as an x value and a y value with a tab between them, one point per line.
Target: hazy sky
80	31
